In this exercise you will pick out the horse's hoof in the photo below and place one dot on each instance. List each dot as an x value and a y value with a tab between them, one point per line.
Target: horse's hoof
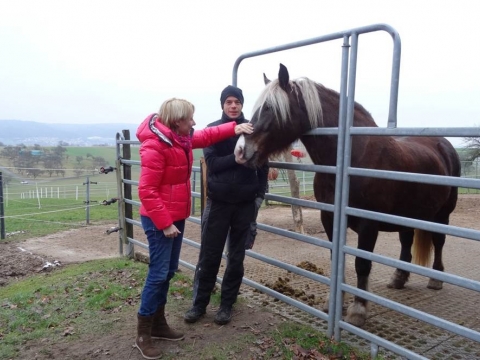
325	306
395	284
435	284
398	280
327	303
356	314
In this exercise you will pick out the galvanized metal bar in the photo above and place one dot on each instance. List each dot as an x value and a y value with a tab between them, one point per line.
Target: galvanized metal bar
133	202
415	224
320	39
272	261
409	131
394	81
303	167
407	354
130	182
417	314
130	162
296	236
399	264
336	269
136	242
134	222
416	177
300	202
128	142
404	131
294	269
345	181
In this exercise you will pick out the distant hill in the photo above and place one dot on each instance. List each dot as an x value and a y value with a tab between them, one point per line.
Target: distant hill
13	132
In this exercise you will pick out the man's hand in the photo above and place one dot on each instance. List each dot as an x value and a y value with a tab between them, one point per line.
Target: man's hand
258	202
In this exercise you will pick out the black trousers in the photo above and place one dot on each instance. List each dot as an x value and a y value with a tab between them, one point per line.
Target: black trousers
217	220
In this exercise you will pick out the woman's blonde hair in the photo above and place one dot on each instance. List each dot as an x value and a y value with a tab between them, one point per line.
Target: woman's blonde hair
175	109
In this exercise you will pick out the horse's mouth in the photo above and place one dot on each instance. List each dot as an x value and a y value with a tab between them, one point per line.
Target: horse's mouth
253	161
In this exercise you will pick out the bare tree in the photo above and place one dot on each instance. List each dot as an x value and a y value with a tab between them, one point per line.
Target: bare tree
79	170
472	146
35	172
99	161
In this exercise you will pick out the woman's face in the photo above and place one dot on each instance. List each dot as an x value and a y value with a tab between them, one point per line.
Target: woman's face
185	126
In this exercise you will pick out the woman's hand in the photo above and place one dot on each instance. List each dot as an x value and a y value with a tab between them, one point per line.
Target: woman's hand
171	231
245	128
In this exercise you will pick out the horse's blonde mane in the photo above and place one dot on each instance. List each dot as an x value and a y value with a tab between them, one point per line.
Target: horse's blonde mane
277	99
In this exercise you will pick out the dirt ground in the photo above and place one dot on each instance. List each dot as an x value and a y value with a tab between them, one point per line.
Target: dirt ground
38	255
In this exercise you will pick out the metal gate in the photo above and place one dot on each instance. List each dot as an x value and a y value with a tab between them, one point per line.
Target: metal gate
341	210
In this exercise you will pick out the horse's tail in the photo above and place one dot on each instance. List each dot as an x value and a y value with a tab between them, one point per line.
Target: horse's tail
422	247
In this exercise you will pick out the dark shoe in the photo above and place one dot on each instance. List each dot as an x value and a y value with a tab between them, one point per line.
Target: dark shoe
223	315
194	314
160	328
144	341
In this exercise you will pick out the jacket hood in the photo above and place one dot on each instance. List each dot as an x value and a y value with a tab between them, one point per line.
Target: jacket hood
151	128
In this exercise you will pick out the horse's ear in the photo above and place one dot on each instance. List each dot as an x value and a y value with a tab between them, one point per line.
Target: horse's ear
283	77
265	79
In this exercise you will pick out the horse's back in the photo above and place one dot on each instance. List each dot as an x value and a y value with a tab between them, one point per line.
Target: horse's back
422	155
428	155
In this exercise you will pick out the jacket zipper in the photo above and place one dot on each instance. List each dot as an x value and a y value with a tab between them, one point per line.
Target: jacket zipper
188	177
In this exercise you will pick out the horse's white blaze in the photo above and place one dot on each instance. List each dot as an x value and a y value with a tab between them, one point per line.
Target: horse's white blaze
239	149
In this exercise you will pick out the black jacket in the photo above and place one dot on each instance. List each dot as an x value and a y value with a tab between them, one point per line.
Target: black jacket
228	181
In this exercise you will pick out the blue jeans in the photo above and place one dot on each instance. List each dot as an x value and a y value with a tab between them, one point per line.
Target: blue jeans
164	254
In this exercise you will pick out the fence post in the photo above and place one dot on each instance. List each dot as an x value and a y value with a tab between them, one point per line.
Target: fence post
87	200
127	191
2	213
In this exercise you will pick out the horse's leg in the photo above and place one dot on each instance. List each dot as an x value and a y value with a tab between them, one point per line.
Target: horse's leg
438	242
367	237
327	222
400	277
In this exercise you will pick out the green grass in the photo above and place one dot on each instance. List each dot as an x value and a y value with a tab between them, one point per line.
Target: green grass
26	218
107	152
293	339
66	300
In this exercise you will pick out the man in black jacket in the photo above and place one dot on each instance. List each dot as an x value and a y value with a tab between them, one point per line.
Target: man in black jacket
235	192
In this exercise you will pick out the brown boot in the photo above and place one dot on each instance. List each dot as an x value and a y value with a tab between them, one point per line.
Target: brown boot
160	328
144	340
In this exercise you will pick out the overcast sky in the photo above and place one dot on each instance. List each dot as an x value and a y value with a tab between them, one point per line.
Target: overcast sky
117	61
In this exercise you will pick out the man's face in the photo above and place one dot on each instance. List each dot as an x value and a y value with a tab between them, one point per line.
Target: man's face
232	107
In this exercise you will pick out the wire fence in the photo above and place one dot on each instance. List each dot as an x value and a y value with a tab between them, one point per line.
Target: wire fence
75	196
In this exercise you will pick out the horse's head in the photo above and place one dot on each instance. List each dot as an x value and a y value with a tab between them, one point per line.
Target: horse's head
280	116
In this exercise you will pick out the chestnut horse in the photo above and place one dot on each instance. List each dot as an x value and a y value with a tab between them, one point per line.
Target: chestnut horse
287	109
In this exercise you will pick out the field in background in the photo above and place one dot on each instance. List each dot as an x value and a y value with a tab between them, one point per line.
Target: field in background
61	202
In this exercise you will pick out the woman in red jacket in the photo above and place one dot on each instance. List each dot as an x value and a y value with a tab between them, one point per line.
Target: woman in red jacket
167	140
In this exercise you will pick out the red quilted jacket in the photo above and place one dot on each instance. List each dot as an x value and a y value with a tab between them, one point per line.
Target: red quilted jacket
164	185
